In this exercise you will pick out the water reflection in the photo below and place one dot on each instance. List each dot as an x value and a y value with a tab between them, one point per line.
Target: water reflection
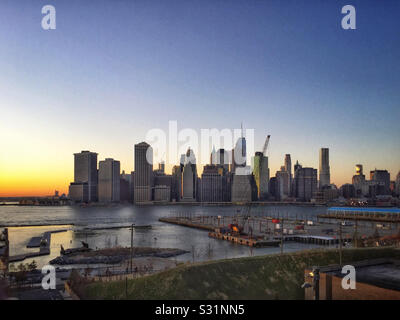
160	235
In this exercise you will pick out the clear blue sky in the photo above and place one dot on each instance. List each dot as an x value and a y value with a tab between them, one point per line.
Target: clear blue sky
112	70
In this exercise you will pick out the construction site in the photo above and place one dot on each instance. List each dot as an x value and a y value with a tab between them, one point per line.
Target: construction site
357	227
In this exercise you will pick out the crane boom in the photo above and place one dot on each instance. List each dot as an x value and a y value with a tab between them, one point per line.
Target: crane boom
264	151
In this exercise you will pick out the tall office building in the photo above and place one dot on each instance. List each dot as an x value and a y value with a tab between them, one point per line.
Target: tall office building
261	175
305	183
84	187
213	156
282	184
189	177
109	180
359	182
143	179
273	188
163	184
244	188
126	188
347	191
378	184
161	167
324	170
397	184
211	185
220	158
297	165
288	164
288	169
239	155
176	188
381	177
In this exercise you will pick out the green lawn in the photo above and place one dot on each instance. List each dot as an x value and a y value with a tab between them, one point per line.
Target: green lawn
263	277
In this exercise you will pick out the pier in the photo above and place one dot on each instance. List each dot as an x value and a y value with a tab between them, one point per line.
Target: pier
188	223
388	215
263	231
320	240
43	243
248	241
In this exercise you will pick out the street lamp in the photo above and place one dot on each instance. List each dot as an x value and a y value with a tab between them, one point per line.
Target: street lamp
132	246
314	274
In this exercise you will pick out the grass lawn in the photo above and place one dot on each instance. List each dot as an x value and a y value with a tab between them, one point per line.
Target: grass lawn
264	277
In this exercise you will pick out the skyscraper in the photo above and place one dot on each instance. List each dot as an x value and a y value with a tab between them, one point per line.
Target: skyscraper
109	180
239	154
288	164
305	183
398	184
220	158
189	177
163	185
282	184
84	187
324	170
358	180
161	167
288	169
261	175
213	156
297	166
143	179
211	186
244	188
126	188
381	177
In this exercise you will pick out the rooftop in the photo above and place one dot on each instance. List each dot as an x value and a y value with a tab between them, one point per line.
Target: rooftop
365	209
383	273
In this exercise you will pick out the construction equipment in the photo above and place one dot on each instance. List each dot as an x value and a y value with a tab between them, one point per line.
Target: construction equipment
235	228
264	151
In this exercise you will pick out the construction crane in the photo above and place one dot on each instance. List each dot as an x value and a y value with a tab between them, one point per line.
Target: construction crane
264	151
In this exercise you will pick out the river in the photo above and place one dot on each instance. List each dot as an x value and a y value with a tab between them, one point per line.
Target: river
76	219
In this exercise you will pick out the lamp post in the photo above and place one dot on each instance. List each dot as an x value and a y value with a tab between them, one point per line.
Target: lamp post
340	243
314	274
132	247
282	236
316	282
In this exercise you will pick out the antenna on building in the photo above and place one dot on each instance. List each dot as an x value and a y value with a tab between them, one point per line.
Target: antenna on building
265	147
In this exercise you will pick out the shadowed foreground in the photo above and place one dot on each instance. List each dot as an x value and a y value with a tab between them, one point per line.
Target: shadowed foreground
263	277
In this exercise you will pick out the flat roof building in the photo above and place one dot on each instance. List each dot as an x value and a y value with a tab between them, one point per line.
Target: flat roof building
109	180
85	185
377	279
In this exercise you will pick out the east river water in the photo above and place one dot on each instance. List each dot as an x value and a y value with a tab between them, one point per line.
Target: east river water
84	224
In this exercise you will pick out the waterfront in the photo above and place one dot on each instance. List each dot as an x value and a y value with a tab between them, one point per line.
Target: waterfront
84	224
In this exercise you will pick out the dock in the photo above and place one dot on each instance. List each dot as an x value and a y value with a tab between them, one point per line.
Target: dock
320	240
265	231
35	242
248	241
366	214
188	223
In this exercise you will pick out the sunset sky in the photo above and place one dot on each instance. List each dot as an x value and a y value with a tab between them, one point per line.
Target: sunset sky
113	70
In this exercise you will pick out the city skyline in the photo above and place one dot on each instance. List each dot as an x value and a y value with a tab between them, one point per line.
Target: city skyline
168	169
102	82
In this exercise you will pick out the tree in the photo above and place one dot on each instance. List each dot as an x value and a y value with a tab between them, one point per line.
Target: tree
32	266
